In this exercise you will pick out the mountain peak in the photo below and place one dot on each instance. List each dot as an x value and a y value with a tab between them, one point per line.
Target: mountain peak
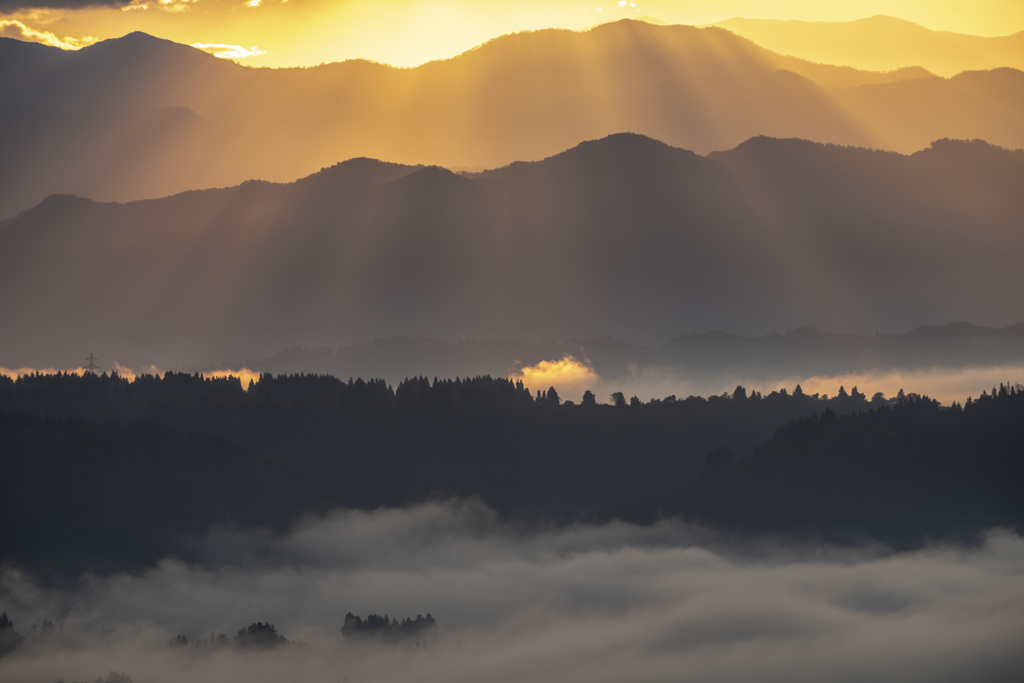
624	149
134	39
767	147
886	19
625	140
430	177
138	44
360	170
955	152
138	35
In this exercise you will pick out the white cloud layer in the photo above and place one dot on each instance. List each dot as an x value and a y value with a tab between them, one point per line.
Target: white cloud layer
228	51
12	28
587	603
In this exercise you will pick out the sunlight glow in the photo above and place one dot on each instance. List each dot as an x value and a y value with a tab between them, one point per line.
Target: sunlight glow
15	373
942	384
10	28
411	32
244	375
567	375
225	51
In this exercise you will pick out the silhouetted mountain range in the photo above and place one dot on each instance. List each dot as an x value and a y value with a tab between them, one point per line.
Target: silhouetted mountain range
624	236
894	43
142	117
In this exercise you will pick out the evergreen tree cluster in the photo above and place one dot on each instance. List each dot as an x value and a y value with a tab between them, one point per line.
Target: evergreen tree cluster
9	638
112	677
256	636
385	628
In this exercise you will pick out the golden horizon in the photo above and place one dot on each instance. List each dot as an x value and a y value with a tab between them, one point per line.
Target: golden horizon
408	33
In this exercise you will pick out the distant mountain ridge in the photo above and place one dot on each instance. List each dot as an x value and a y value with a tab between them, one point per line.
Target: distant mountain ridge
141	117
624	236
895	43
703	357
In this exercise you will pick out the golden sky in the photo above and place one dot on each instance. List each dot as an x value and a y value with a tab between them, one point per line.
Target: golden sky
408	32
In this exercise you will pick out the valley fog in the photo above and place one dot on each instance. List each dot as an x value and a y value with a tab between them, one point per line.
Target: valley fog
585	603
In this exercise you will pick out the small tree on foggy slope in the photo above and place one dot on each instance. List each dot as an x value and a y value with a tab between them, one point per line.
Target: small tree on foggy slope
259	635
9	638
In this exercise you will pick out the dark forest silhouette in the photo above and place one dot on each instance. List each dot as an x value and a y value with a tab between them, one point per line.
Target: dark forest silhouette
383	628
257	636
114	473
10	639
112	677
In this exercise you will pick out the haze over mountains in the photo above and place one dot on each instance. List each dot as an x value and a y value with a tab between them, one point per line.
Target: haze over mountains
640	353
142	117
891	44
703	363
624	236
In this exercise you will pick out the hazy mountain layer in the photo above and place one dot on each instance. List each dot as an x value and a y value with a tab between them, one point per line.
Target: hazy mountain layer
882	43
142	117
624	236
804	352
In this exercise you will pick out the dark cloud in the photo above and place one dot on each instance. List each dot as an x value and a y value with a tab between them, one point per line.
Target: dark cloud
11	6
587	603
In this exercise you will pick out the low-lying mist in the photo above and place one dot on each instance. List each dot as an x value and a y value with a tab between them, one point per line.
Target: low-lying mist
614	602
944	384
572	377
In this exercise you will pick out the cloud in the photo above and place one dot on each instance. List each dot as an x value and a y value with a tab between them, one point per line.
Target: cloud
244	375
945	385
173	6
15	373
584	603
568	375
228	51
10	28
10	6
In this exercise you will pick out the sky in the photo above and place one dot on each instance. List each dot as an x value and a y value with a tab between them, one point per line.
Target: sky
281	33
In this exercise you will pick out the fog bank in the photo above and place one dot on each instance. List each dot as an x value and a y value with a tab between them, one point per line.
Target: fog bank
614	602
945	385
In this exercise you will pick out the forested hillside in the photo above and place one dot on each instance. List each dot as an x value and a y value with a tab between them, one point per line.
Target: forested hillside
103	474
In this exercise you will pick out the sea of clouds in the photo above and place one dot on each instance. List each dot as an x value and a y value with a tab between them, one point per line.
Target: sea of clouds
590	603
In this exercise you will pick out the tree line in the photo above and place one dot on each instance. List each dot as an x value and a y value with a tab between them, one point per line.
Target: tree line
258	635
115	473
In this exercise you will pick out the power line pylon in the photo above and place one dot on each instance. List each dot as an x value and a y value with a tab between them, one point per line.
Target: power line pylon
92	367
